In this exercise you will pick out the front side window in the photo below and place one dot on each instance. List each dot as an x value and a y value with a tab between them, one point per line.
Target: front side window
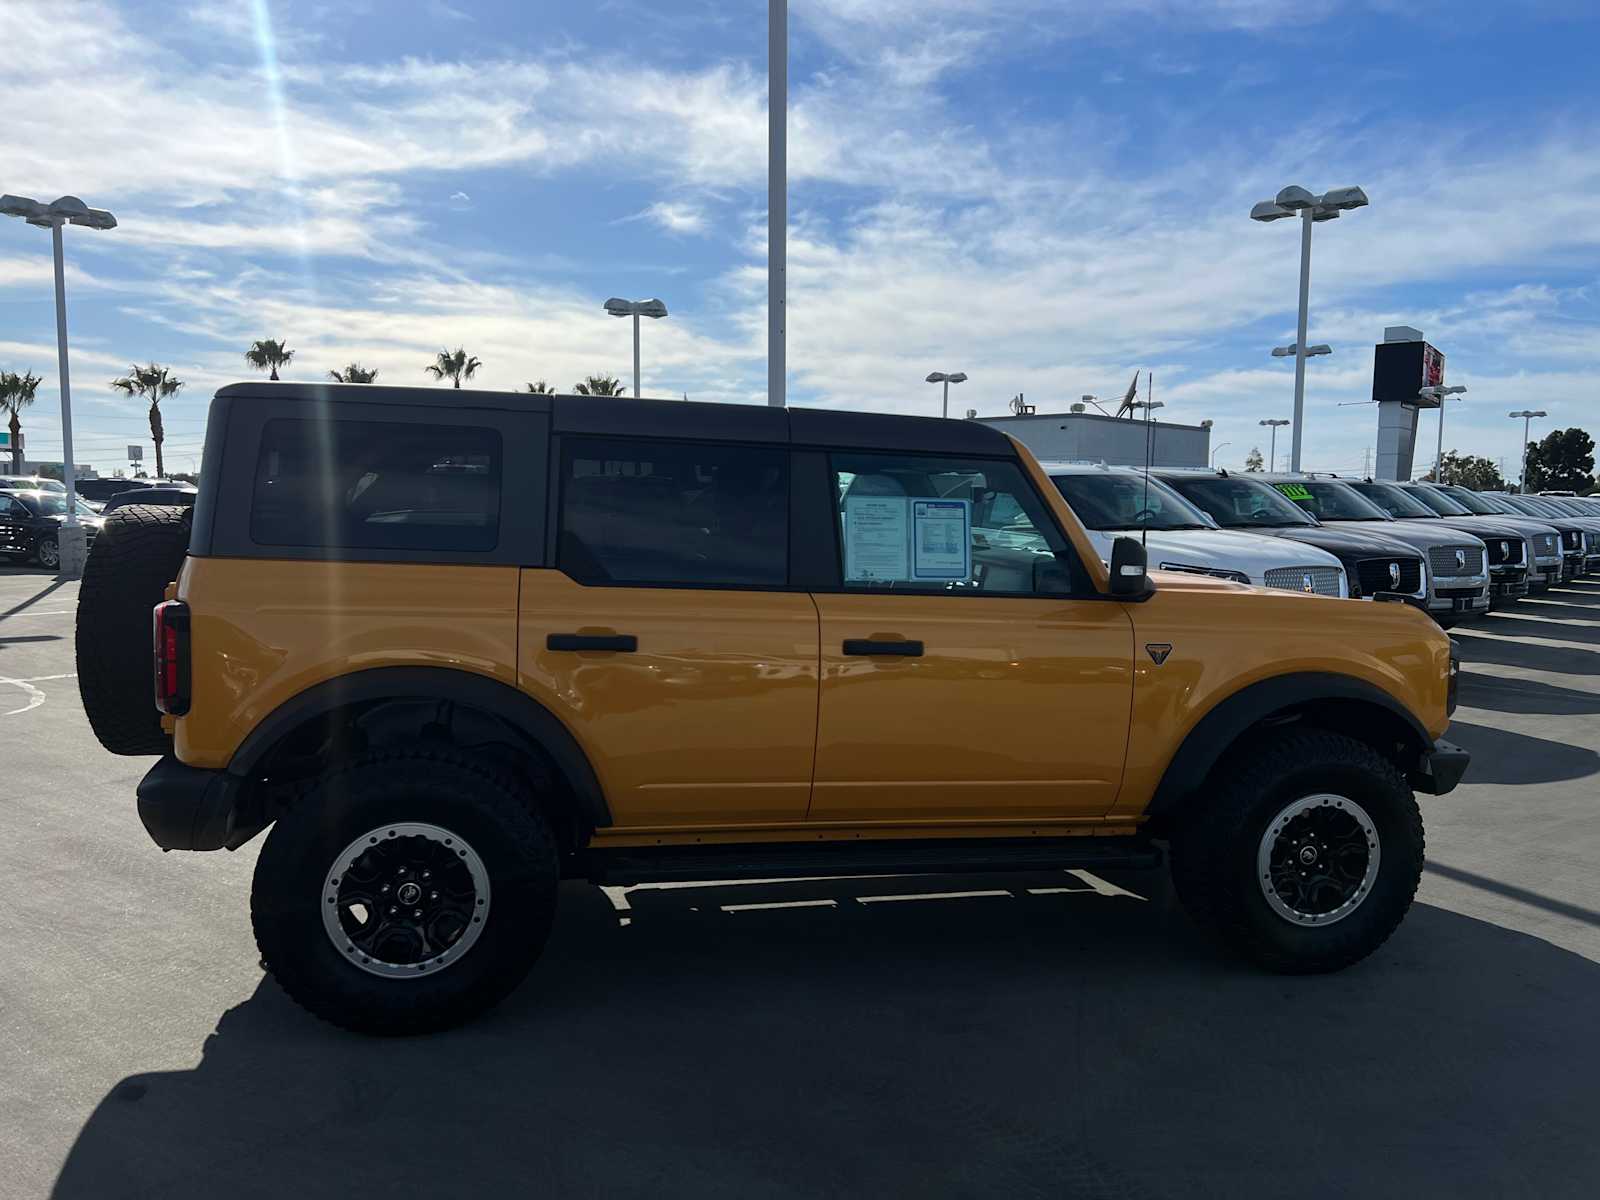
377	485
925	524
1236	503
686	514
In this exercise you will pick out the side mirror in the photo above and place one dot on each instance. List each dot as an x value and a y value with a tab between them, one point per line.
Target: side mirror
1129	569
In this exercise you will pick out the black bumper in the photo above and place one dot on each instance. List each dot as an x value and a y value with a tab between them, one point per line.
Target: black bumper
1441	768
189	808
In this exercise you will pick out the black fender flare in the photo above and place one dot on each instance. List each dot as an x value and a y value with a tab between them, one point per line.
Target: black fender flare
1281	696
518	709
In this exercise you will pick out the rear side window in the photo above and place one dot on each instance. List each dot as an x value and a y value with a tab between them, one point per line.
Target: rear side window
677	513
373	485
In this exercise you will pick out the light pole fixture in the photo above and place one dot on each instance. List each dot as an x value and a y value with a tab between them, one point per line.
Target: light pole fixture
1326	207
1527	415
68	210
636	309
947	380
1215	452
1311	351
1440	393
1149	407
1274	423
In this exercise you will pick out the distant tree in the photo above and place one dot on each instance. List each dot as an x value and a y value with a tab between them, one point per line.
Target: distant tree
1563	461
354	373
454	367
16	393
599	385
540	388
1253	461
1470	471
155	384
268	356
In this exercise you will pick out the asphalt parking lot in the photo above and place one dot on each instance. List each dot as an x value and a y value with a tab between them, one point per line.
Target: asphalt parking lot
1051	1035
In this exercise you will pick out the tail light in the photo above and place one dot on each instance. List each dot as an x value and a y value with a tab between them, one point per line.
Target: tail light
171	636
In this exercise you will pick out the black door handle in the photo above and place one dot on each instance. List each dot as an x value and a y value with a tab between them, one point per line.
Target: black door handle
624	643
868	646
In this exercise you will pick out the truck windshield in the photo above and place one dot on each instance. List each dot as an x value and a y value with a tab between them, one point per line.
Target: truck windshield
1236	503
1108	501
1330	501
1473	502
1438	501
1397	502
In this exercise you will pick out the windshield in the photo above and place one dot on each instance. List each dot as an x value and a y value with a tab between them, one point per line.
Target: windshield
1471	501
1107	501
1438	501
1236	503
1395	501
1330	501
52	504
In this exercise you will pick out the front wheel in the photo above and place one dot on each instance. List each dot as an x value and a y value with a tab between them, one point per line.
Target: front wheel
405	892
48	553
1306	854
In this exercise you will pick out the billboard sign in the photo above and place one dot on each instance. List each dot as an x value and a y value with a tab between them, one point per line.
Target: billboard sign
135	454
1401	369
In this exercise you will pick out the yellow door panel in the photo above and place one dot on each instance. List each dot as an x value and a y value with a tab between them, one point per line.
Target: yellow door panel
710	721
1017	708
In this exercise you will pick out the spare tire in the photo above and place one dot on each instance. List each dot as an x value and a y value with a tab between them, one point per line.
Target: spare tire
138	552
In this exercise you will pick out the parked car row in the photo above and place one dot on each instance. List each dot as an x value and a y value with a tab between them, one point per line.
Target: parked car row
1450	551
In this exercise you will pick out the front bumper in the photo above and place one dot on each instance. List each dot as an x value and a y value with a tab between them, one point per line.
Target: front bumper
1460	596
1441	768
1546	571
190	808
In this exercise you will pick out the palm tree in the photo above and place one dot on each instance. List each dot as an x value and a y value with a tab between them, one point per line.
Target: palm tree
16	393
154	384
541	388
268	356
599	385
354	373
455	367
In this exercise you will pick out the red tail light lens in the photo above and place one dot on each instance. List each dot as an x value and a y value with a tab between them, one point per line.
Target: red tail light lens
171	645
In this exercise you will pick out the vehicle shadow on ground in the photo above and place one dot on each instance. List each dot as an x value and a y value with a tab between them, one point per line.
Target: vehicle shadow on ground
1558	660
1496	692
1565	630
1504	757
1012	1044
43	594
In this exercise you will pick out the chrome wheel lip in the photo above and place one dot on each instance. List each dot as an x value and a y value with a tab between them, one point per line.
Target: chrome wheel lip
1269	840
413	970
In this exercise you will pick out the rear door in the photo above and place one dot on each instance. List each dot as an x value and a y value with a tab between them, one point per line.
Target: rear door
967	671
667	637
13	533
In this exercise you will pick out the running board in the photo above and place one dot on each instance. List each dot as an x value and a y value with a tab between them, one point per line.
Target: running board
795	860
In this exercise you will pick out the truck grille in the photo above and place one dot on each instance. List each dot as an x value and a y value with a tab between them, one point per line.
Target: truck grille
1545	545
1456	560
1323	581
1375	575
1504	551
1572	539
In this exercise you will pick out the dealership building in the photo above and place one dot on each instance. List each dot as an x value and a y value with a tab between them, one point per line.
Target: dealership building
1116	441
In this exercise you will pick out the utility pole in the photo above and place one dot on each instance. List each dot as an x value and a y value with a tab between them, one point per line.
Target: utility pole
777	194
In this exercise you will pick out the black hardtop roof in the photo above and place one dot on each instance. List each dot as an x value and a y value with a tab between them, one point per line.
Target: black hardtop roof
625	416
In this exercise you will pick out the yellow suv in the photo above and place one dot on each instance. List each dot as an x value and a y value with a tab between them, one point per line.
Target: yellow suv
456	646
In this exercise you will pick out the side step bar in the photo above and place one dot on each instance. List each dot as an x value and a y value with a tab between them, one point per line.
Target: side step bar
794	860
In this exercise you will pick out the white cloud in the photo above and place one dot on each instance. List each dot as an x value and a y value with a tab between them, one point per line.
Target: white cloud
673	217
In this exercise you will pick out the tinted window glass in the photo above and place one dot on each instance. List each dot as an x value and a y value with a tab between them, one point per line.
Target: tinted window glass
1330	501
1236	503
674	512
1438	501
947	525
1470	501
373	485
1107	500
1395	501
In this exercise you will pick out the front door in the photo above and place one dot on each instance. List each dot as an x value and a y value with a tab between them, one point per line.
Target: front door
666	637
967	674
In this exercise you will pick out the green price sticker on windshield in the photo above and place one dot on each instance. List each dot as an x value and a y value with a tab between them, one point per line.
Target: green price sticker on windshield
1295	491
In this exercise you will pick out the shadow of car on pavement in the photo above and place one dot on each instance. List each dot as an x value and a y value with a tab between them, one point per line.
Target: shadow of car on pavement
990	1044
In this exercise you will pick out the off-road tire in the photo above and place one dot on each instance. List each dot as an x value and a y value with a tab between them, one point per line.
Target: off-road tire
137	553
1215	843
486	808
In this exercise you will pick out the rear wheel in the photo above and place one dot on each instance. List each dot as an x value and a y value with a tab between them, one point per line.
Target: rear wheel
406	892
48	552
139	550
1305	856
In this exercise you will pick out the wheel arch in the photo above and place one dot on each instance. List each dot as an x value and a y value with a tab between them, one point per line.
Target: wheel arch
406	695
1338	702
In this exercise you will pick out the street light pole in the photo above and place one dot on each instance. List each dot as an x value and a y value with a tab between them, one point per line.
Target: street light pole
653	308
947	378
1326	207
1527	416
777	194
1272	454
1218	450
1439	393
68	476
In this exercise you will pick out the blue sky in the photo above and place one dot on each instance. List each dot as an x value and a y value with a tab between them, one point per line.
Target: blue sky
1045	194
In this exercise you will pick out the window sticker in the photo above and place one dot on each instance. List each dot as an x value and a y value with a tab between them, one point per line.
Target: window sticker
941	546
1295	491
877	539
